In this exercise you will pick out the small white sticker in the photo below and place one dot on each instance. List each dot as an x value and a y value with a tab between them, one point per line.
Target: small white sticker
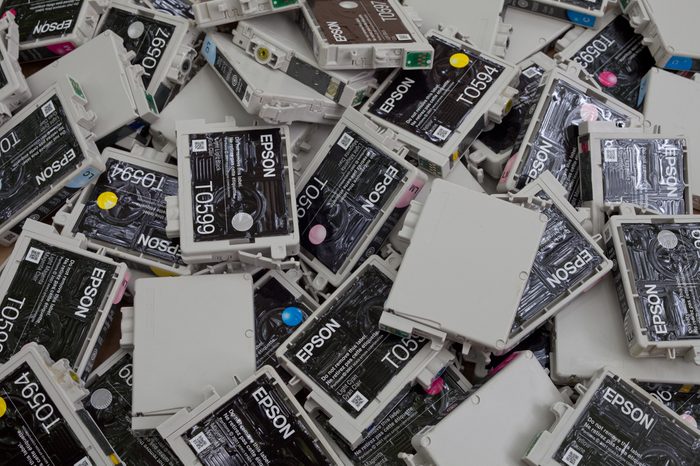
610	154
531	72
572	457
34	255
345	141
200	442
358	401
667	239
84	462
48	108
442	133
242	221
404	37
199	145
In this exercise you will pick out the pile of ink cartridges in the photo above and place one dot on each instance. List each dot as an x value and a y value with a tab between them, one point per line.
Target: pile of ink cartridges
349	232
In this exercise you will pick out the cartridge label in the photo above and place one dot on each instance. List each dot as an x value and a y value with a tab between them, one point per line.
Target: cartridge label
126	209
258	426
649	173
228	73
46	211
109	405
684	400
562	10
53	299
239	185
36	155
433	104
41	20
620	426
618	60
665	263
507	137
412	410
33	432
142	34
554	146
564	261
359	22
345	353
341	202
181	8
316	79
278	313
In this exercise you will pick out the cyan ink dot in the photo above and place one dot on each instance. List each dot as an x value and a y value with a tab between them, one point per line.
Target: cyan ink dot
679	63
292	316
581	19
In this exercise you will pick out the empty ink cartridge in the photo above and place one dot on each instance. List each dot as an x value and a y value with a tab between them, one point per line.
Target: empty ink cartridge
353	369
258	422
364	34
438	113
235	193
46	147
43	420
59	294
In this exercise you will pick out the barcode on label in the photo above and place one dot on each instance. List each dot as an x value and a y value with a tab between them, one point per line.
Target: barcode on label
357	401
83	462
532	72
610	154
48	108
572	457
404	37
345	141
200	442
442	133
34	255
199	145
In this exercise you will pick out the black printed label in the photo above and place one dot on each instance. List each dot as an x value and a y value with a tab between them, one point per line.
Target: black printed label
555	146
110	406
239	185
665	263
46	211
508	136
344	351
432	104
53	299
35	155
278	313
44	19
565	259
32	430
618	60
316	79
413	410
562	11
142	34
256	427
649	173
228	73
181	8
684	400
126	208
342	200
619	426
359	22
